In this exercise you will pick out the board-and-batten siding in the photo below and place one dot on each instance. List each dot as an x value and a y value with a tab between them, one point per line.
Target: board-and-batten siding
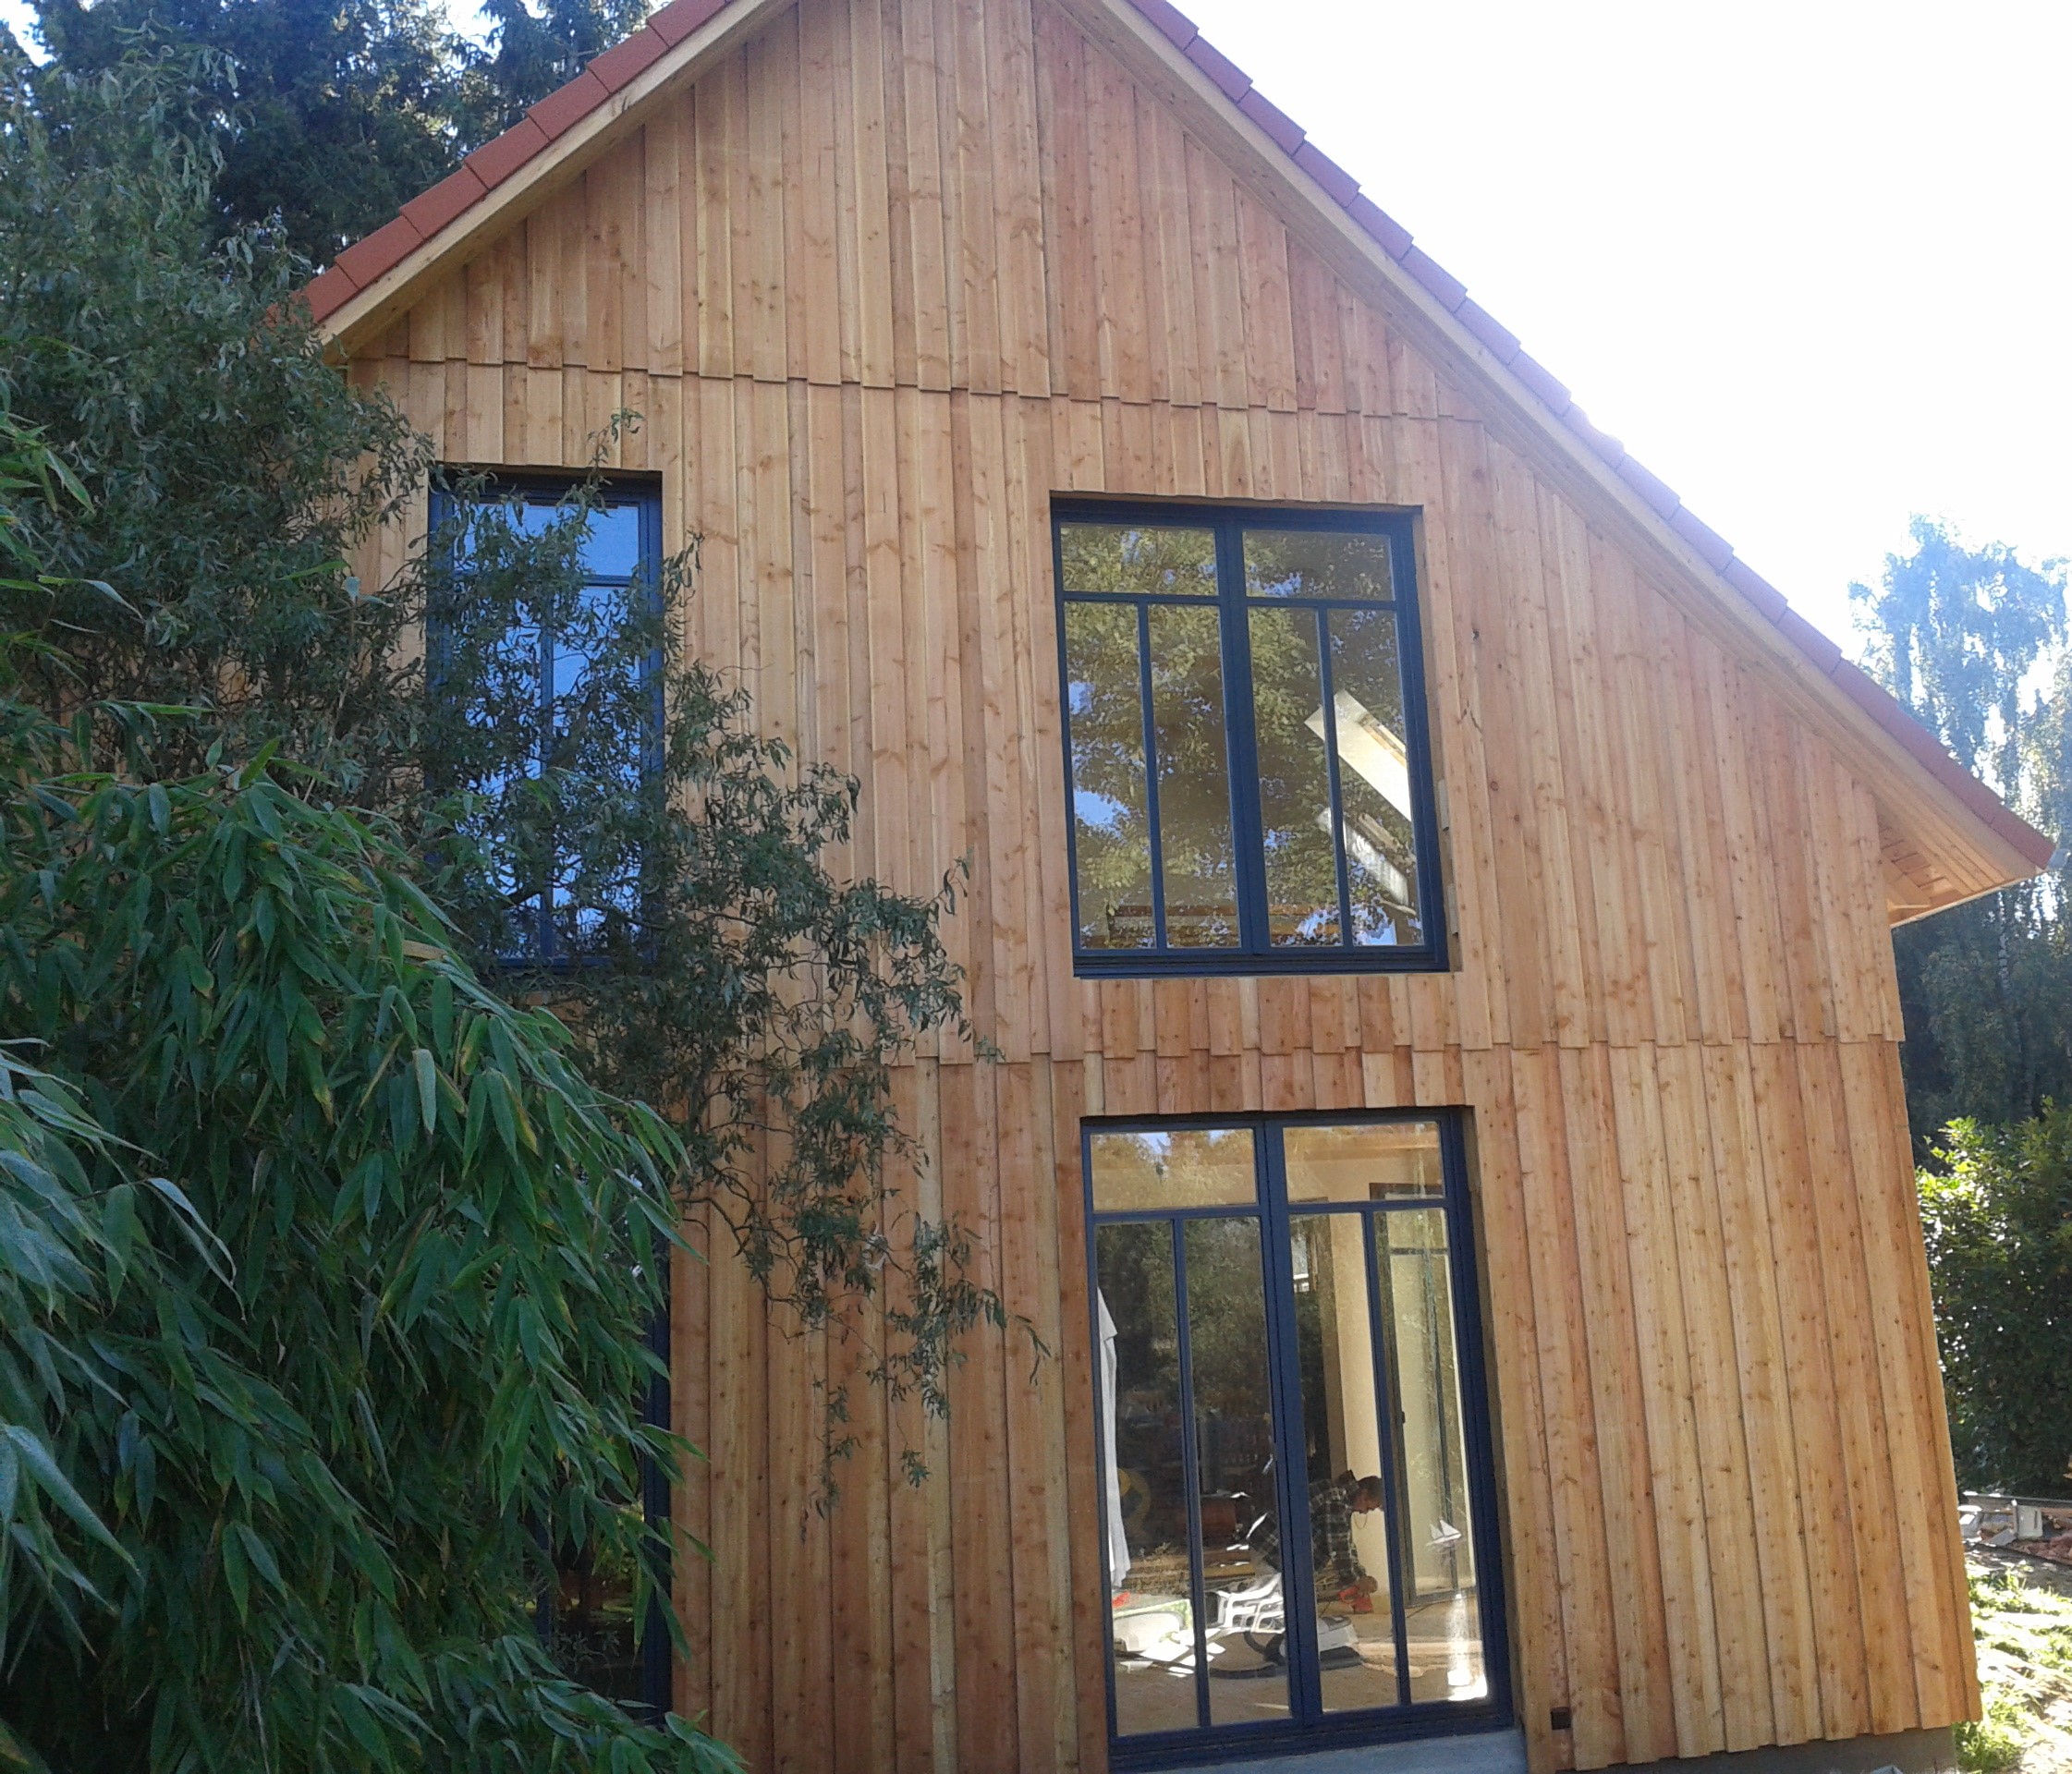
880	284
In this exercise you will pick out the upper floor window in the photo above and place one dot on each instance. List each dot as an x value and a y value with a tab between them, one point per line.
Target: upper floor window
541	642
1245	739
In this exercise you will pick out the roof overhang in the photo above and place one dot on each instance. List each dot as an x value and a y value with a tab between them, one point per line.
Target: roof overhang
1945	836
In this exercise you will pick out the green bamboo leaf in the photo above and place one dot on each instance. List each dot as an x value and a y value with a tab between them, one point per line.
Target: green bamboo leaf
261	1555
236	1575
34	1456
427	1088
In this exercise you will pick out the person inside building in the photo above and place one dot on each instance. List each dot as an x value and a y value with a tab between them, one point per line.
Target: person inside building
1332	1504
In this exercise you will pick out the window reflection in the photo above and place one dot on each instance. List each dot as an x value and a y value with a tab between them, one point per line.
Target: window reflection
1186	1167
1244	775
1297	835
1110	806
1200	874
1335	563
1197	1464
1444	1611
1344	1399
570	690
1373	775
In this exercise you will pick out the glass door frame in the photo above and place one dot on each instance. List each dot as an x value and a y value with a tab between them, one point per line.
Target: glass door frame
1309	1726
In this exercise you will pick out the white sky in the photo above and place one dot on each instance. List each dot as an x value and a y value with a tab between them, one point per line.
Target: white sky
1809	258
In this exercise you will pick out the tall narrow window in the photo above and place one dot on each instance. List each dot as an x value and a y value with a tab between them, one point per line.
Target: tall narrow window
552	674
541	647
1295	1468
1245	738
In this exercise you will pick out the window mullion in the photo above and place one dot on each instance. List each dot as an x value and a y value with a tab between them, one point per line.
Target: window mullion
1291	1465
1387	1413
1190	1476
1254	925
1157	836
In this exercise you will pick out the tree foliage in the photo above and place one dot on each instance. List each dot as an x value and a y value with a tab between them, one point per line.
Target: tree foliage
319	1259
726	973
1961	636
1999	1226
327	116
231	467
377	1341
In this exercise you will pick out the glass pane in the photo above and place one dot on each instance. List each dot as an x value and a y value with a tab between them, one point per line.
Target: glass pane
532	516
1294	780
1380	1161
590	1630
1137	558
1342	1450
1234	1452
1190	1167
1144	1515
612	542
1193	776
1111	815
1374	776
1442	1603
1317	564
1105	705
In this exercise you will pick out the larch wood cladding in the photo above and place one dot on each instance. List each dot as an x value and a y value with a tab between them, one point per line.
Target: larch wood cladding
879	285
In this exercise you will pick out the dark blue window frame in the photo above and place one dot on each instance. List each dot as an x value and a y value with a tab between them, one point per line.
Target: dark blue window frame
643	495
1254	953
1309	1727
657	1656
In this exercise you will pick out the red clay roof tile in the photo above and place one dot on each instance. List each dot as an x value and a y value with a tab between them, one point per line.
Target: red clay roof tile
387	246
327	292
1285	132
1715	549
1657	491
1542	382
457	192
567	106
1479	321
1759	591
1180	29
1435	277
619	64
360	265
1816	646
676	20
1609	449
1219	67
1339	184
495	161
1379	226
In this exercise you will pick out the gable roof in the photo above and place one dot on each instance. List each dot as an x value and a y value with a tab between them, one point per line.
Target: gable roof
373	281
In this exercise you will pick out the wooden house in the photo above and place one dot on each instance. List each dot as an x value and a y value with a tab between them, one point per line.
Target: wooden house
1430	900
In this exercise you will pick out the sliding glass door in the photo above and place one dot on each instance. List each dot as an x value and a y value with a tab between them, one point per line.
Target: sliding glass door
1295	1466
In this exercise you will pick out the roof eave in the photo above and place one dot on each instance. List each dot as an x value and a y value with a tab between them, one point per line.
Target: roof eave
1914	778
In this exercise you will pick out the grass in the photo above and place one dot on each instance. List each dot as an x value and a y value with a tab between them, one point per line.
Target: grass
2021	1616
